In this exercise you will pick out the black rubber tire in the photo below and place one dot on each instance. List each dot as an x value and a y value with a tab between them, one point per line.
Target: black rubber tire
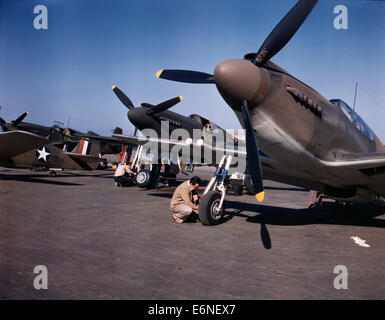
143	178
249	185
206	208
53	174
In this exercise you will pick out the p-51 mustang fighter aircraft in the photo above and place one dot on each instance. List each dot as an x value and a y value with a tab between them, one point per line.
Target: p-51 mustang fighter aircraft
149	116
39	146
310	141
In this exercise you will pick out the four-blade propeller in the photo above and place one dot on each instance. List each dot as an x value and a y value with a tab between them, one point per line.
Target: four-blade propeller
163	106
276	40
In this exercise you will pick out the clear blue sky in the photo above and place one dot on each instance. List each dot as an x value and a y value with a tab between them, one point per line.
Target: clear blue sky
90	45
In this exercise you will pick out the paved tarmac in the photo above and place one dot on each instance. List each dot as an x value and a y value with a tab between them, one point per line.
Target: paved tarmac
103	242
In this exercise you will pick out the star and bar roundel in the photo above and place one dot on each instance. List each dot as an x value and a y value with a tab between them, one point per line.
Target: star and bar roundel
43	154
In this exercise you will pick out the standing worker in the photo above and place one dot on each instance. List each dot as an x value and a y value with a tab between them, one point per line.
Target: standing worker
185	200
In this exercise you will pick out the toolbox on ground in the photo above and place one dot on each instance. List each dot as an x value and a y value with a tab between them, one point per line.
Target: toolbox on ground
235	187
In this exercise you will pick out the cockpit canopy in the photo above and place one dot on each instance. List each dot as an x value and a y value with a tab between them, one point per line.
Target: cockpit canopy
204	123
354	118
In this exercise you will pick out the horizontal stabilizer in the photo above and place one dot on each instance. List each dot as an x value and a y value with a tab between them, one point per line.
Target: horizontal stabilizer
84	158
86	162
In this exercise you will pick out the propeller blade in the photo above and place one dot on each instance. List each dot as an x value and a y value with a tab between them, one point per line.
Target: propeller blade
123	98
20	119
164	105
185	76
284	31
253	160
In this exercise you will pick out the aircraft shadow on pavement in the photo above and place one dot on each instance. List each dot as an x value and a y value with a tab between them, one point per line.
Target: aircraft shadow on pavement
161	195
68	174
285	189
328	214
36	179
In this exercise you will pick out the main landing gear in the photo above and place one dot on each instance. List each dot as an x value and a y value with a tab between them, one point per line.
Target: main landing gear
212	205
143	178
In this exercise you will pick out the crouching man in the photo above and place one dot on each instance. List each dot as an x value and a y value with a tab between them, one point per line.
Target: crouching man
184	202
121	176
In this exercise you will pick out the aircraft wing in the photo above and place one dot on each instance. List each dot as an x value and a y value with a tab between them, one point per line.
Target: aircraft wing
360	169
100	138
240	152
13	143
370	160
143	140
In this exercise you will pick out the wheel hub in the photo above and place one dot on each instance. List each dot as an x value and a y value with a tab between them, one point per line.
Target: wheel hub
141	177
215	209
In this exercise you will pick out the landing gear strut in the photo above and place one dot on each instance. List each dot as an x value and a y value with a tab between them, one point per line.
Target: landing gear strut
211	207
143	177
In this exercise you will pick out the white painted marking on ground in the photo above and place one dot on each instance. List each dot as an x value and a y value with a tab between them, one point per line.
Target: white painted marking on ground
360	242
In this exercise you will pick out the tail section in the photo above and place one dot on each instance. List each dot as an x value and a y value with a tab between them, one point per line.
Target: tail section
87	148
86	154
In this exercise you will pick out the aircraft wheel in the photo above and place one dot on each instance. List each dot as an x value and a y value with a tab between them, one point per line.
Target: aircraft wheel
143	178
209	209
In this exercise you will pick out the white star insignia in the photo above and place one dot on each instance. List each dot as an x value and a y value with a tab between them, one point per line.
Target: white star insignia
43	154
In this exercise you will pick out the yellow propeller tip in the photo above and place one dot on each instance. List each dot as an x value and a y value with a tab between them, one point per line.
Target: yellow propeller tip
26	112
113	87
260	196
159	73
180	98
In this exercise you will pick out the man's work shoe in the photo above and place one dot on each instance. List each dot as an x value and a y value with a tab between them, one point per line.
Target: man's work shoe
176	219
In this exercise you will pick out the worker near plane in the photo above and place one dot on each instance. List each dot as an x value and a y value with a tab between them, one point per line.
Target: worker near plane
184	202
122	174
